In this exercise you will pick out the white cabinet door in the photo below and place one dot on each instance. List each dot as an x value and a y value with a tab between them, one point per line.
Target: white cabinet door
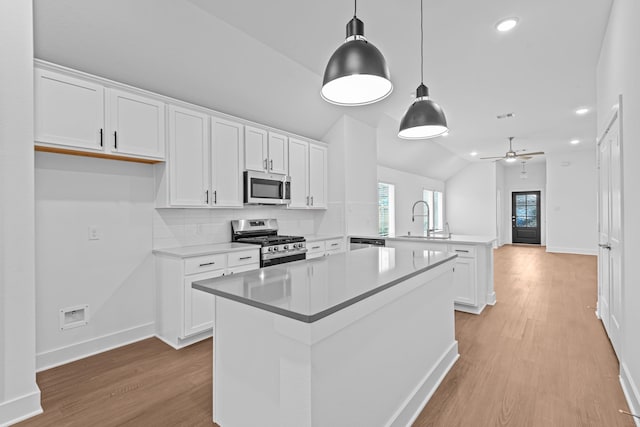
255	149
188	157
136	125
299	172
227	152
317	176
68	112
464	281
198	306
278	157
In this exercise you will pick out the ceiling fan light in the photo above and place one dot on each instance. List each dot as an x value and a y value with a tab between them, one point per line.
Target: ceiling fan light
510	159
357	73
424	119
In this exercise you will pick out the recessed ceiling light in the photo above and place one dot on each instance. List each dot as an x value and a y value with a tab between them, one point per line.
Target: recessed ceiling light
582	111
474	153
507	24
575	141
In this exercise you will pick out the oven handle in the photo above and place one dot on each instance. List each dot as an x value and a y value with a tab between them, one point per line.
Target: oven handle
283	254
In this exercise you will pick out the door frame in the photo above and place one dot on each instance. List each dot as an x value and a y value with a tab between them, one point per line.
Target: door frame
615	114
539	208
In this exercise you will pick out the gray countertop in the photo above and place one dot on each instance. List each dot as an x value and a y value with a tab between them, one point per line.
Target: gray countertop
197	250
455	239
309	290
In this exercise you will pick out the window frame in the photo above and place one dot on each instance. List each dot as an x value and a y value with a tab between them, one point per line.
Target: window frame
391	210
429	198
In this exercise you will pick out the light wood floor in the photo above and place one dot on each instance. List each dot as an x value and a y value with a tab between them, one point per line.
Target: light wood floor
538	358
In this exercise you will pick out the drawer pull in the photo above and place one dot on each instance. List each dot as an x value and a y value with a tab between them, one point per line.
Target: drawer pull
207	263
335	244
315	247
462	250
245	257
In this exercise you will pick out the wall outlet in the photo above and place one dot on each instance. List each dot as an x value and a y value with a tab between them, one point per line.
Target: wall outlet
93	233
72	317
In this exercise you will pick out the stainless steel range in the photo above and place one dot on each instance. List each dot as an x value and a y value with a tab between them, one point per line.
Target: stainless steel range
276	249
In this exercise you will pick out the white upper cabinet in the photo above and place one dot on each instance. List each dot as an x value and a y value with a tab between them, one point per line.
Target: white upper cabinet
71	115
69	112
299	172
256	149
136	125
317	176
265	151
188	160
308	171
227	152
278	153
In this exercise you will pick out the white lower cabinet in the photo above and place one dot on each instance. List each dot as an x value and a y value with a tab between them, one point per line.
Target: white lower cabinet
185	315
464	281
324	247
315	249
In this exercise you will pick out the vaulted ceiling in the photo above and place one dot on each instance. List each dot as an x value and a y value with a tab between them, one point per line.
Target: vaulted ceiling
264	60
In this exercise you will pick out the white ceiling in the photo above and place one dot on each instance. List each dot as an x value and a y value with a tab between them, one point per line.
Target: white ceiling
264	60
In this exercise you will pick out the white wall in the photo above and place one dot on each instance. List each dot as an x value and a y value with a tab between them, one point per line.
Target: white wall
470	200
536	181
618	71
571	203
353	192
185	227
113	275
408	189
19	394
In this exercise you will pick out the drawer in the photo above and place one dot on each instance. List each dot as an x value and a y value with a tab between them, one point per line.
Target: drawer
464	250
200	264
245	257
333	245
315	247
241	268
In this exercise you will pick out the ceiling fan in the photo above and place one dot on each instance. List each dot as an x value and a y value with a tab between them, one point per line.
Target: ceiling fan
512	156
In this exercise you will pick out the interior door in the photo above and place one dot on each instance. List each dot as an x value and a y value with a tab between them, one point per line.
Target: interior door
525	217
610	307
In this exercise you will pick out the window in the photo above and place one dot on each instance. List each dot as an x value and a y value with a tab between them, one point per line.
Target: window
436	211
386	209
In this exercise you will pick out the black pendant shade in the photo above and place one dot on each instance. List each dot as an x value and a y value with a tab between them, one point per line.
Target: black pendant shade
357	73
424	118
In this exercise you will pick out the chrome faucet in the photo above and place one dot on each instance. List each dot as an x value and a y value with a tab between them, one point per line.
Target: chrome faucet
413	214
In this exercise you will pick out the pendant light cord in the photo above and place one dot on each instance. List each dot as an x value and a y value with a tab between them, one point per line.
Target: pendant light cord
421	44
355	7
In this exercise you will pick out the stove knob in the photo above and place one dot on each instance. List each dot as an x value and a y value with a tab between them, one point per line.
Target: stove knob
275	248
285	247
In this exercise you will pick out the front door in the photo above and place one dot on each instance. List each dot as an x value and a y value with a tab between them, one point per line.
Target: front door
525	217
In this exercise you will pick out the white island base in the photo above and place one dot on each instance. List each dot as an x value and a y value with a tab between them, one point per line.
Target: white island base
374	363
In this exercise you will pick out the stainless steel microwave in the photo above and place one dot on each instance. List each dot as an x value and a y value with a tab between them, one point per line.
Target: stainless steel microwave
266	188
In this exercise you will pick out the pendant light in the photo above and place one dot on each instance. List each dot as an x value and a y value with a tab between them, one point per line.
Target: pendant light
357	73
424	118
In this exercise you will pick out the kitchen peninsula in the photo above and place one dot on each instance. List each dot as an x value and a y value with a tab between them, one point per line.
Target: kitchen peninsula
358	338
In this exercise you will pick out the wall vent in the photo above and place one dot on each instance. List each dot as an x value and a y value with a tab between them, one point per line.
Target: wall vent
72	317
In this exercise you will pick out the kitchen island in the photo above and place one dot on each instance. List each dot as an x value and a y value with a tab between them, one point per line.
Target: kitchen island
357	338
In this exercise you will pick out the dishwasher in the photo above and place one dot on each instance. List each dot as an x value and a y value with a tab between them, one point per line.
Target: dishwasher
364	242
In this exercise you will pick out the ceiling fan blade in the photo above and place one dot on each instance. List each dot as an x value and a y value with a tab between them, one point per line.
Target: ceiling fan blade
525	157
537	153
491	158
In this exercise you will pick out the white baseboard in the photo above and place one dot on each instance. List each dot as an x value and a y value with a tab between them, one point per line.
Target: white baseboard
576	251
19	409
415	403
60	356
180	343
473	309
631	391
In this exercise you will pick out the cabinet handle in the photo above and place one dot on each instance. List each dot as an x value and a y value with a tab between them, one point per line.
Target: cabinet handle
101	143
462	250
115	139
311	200
307	200
215	197
271	164
245	257
334	244
206	194
207	263
265	163
315	247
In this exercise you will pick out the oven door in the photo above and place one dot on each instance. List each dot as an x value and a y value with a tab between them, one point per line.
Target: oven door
266	189
283	259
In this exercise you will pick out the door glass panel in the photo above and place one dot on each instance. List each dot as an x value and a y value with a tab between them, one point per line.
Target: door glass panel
520	221
531	199
521	211
521	200
532	212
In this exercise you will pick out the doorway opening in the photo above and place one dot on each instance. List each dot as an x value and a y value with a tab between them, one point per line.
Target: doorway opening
525	217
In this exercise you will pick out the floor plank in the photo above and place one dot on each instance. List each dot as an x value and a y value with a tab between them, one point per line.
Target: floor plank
539	357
